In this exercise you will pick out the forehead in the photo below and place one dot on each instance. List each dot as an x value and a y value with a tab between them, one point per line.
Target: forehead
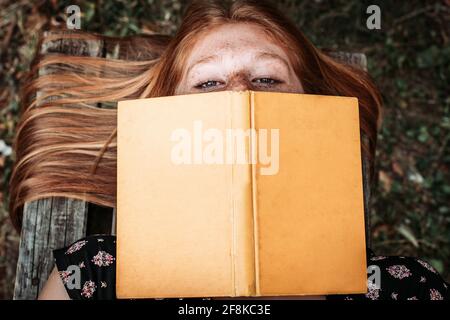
234	38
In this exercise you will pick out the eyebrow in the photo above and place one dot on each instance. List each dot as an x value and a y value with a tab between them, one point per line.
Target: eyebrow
273	56
202	61
261	54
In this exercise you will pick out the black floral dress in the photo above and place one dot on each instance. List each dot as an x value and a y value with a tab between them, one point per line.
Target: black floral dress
401	278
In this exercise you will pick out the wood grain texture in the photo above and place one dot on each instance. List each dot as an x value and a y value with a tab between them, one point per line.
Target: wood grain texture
47	224
55	222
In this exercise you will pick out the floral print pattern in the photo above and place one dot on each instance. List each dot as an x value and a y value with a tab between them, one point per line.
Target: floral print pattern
65	276
378	258
102	259
76	246
401	278
398	271
435	295
426	265
373	292
94	256
89	288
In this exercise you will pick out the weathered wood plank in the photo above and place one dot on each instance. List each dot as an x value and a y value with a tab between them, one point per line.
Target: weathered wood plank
25	261
55	222
48	224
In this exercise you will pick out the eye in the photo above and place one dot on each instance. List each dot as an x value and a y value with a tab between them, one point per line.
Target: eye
267	81
208	84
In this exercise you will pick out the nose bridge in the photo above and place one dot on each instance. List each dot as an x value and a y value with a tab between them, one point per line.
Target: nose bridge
239	82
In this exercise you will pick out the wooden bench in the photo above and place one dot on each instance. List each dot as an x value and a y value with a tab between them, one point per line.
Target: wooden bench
56	222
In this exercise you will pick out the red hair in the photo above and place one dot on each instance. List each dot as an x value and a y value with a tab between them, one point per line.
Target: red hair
65	147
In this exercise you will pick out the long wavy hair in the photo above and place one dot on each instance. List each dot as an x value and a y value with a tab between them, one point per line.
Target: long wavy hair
66	147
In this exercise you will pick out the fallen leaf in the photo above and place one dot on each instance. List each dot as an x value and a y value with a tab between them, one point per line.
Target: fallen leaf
385	180
408	234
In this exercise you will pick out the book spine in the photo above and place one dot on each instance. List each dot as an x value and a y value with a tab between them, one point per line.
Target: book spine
243	267
254	211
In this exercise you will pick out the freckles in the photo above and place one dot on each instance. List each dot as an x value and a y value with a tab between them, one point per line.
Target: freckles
189	80
183	85
239	79
239	76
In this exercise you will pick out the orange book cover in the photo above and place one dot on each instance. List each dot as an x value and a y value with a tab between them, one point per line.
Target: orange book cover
229	194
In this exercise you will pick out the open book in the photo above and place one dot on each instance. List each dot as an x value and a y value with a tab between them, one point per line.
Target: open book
247	193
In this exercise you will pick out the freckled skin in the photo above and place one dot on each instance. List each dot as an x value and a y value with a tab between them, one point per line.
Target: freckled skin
237	80
238	62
